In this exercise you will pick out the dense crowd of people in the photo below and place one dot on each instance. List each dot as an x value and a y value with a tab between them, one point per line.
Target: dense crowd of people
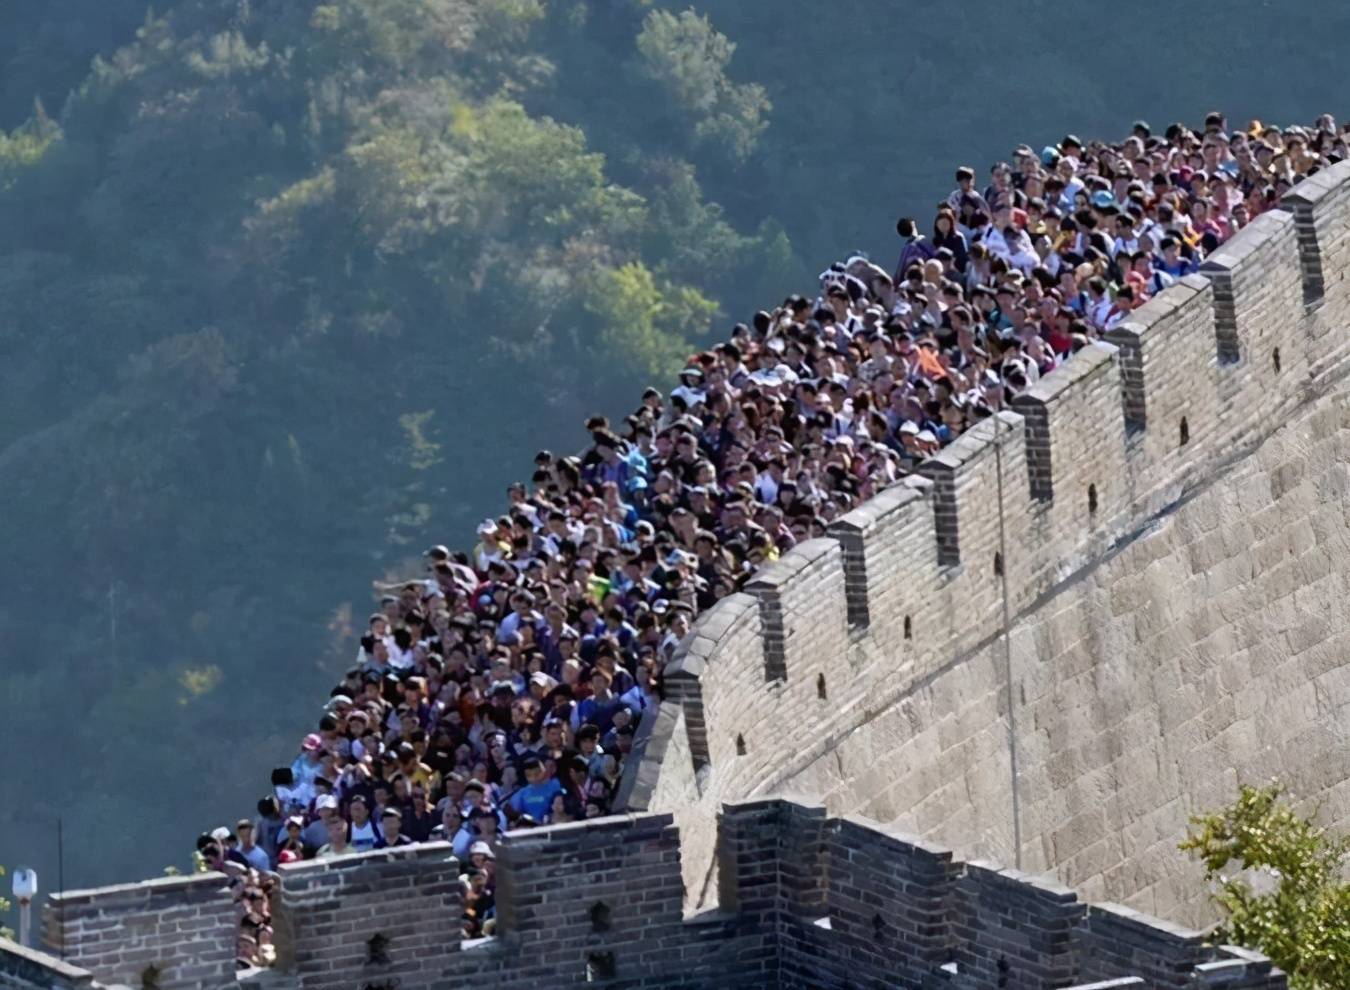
502	688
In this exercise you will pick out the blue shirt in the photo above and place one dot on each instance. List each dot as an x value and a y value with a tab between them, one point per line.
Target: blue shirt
536	800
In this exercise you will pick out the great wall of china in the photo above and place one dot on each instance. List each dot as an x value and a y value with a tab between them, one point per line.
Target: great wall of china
1149	563
1173	551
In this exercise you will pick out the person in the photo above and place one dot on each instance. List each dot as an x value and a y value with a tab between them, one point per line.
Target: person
362	831
915	248
305	767
252	854
964	200
451	820
292	796
268	828
599	706
315	834
536	797
642	696
390	823
947	236
337	840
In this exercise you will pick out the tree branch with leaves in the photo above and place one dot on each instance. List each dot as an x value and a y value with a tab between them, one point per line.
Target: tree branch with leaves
1280	881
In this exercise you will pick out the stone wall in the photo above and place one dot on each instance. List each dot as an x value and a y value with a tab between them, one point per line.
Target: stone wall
1162	520
166	933
28	969
858	905
807	901
337	922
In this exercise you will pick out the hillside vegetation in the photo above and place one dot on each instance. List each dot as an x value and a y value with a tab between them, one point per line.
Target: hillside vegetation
289	288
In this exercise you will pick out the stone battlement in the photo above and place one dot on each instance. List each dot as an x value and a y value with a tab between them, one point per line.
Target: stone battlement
806	901
917	580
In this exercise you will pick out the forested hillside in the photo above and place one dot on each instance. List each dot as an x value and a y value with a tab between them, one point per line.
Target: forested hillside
290	287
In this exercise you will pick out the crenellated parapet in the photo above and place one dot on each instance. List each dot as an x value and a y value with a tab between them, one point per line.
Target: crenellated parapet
807	901
919	578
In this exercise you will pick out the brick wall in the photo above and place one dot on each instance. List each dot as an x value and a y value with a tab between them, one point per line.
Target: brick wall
901	634
1169	349
1321	207
368	918
807	901
881	540
895	911
1075	435
171	932
28	969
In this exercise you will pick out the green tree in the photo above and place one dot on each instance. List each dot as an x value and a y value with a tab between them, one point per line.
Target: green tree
688	59
24	147
5	906
649	323
1281	884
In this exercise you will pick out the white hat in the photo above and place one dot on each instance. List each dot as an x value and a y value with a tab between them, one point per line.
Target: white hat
220	834
326	801
481	848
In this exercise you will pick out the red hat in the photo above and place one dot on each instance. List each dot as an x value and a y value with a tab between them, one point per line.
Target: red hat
312	742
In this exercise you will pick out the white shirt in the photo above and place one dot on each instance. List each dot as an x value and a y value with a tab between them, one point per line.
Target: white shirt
363	836
691	396
485	553
400	659
766	488
1098	311
1068	199
1128	246
993	239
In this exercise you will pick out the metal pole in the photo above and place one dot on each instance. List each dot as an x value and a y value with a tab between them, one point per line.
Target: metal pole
1007	651
61	883
25	922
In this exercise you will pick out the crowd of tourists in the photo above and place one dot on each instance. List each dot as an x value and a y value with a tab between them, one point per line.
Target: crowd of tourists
501	689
